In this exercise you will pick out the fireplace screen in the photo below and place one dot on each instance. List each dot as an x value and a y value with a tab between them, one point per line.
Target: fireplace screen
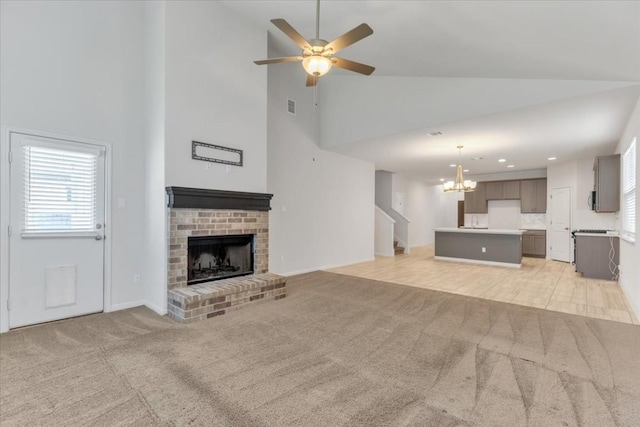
219	257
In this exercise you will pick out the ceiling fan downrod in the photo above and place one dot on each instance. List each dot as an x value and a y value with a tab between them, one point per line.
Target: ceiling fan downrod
318	19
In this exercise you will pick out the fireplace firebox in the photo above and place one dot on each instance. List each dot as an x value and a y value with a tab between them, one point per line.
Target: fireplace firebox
219	257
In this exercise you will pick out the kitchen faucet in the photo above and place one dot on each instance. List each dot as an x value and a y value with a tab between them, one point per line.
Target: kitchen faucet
474	221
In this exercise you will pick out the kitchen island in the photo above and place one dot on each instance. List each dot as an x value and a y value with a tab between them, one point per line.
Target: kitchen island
481	246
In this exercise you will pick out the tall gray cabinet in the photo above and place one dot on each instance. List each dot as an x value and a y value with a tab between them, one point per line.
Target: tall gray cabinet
606	171
533	196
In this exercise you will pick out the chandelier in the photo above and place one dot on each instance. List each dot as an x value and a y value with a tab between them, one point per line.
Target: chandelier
460	183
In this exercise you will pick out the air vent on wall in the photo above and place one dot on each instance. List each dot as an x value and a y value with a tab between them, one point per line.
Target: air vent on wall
291	106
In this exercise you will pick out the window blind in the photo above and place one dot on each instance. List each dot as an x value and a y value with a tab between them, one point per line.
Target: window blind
59	190
629	190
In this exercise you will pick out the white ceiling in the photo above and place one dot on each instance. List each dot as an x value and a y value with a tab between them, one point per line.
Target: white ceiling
561	40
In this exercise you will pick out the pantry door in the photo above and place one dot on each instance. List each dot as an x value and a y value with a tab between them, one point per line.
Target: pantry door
560	241
56	243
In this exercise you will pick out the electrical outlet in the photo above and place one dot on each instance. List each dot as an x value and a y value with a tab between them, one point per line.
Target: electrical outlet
207	166
137	279
484	250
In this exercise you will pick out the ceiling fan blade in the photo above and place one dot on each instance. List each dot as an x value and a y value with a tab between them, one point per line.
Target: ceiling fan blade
350	37
352	66
312	80
291	32
277	60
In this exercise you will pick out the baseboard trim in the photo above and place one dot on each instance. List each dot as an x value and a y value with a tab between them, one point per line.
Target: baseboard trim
124	306
326	267
385	254
132	304
157	309
476	261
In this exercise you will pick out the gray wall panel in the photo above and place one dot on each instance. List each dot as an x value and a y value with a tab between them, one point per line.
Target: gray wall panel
500	247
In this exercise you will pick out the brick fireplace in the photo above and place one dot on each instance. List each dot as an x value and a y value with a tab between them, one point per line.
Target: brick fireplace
200	212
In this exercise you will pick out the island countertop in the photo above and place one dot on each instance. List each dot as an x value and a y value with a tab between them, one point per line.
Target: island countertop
479	230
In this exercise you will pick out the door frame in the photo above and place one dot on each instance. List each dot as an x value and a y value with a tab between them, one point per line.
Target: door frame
5	198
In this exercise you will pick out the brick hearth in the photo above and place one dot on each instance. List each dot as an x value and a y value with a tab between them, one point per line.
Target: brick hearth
203	300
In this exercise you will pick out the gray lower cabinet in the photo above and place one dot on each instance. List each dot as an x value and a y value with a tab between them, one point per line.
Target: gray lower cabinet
534	243
597	257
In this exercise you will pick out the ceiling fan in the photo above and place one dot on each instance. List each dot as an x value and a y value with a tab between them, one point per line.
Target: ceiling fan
317	54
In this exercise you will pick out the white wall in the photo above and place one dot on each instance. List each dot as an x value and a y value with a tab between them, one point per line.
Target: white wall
154	278
75	69
323	204
446	207
584	216
505	176
418	209
383	235
363	108
384	189
630	252
214	94
578	175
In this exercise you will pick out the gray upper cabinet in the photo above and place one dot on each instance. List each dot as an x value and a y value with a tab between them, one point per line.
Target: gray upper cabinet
476	201
533	196
510	190
541	196
503	190
494	190
607	183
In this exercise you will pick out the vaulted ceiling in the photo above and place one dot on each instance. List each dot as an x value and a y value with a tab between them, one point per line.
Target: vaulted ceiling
561	79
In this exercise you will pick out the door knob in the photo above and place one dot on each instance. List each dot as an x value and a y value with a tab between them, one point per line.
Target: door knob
566	228
98	237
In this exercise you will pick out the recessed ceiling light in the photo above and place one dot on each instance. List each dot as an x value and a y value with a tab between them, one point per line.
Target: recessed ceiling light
441	179
452	165
502	160
511	166
552	158
465	170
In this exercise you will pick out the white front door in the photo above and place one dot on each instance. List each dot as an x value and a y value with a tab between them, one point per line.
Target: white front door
56	246
560	241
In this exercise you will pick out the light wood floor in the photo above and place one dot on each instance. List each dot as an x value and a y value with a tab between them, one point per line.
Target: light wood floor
539	283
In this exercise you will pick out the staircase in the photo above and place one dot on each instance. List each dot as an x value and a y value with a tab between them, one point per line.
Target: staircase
398	250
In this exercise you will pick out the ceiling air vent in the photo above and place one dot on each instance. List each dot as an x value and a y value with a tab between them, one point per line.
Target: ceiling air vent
435	133
291	106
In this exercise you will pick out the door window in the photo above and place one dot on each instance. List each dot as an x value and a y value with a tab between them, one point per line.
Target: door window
59	190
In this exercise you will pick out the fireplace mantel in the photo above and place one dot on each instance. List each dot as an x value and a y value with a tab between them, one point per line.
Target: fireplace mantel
199	198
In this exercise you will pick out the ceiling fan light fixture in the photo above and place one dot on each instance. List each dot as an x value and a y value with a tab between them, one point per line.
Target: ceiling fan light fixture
316	65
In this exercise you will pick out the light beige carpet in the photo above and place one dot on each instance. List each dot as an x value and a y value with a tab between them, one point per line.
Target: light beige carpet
337	351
